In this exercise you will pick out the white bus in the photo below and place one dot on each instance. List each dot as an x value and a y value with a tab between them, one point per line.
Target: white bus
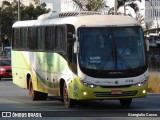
80	56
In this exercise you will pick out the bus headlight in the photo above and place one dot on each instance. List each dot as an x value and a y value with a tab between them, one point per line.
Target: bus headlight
90	85
141	83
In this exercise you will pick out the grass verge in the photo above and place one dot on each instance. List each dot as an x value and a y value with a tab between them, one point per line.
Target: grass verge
154	82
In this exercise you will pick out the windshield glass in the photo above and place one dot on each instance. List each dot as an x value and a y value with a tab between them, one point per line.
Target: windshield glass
114	48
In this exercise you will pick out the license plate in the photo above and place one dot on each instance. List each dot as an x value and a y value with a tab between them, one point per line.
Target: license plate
116	92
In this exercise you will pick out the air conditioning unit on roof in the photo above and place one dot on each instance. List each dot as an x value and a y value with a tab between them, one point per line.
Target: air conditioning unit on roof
67	14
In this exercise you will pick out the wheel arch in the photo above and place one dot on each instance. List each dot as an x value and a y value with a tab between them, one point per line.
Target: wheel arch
61	84
28	76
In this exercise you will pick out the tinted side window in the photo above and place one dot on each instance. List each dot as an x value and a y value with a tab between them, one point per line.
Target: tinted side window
50	38
41	38
32	38
21	38
25	38
16	38
60	38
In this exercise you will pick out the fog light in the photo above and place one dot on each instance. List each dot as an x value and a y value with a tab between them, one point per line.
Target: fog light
144	91
84	93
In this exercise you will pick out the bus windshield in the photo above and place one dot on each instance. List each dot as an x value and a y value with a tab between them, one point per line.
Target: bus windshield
113	48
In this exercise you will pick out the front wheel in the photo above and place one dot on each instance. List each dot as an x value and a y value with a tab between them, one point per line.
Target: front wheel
67	101
126	102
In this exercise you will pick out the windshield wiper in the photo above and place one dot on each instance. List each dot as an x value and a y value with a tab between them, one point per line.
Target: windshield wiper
126	63
115	54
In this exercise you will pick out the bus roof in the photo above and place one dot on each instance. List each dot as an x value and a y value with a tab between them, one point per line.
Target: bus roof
86	20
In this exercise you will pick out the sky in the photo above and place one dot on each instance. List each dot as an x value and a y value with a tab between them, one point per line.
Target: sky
110	3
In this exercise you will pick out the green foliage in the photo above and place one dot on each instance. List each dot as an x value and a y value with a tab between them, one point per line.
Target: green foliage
90	5
9	15
140	18
124	3
130	3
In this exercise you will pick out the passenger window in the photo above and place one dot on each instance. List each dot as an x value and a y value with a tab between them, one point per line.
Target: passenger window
50	38
60	38
41	38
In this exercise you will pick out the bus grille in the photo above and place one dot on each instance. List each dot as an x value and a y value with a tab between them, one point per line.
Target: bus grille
122	86
108	94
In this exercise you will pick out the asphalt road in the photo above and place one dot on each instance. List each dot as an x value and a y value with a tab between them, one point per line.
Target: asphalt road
15	100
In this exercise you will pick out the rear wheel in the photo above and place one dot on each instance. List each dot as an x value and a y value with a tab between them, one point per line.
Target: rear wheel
42	96
32	93
67	101
126	102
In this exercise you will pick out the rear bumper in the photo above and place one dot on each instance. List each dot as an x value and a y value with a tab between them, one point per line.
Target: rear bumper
6	75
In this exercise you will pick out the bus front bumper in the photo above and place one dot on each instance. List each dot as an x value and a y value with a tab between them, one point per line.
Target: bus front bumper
81	92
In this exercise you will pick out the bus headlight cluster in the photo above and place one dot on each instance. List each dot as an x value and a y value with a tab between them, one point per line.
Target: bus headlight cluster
141	83
88	84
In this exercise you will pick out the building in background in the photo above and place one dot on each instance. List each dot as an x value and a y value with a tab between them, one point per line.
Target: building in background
59	5
152	18
152	13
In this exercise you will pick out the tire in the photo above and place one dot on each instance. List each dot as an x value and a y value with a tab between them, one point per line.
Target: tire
42	96
126	102
67	101
32	93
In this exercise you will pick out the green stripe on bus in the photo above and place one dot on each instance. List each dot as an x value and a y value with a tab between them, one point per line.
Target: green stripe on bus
48	84
51	63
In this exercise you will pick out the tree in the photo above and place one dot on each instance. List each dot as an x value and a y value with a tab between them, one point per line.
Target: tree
6	20
141	19
90	5
9	15
124	4
31	12
130	3
36	1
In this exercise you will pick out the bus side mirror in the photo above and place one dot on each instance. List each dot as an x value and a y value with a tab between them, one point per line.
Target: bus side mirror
76	47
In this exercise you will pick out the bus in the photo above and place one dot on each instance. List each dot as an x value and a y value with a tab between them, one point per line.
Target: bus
80	56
